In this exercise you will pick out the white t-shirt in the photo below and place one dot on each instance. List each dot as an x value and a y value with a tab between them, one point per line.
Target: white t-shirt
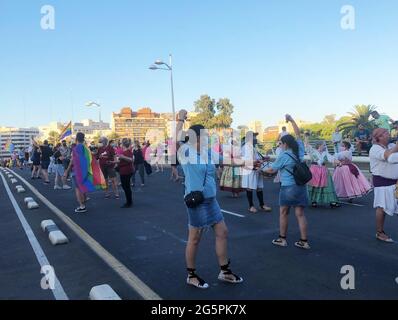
379	166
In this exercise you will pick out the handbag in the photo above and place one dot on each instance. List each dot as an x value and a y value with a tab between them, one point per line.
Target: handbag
195	198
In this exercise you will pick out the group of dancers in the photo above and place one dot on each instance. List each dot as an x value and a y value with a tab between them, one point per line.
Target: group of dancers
327	187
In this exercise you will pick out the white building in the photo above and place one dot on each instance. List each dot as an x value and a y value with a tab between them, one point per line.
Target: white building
52	126
19	137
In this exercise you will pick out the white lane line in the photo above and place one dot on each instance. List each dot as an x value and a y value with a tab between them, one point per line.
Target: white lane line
129	277
58	292
352	204
233	214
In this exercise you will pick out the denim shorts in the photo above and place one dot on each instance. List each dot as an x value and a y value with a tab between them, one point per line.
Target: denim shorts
206	215
293	196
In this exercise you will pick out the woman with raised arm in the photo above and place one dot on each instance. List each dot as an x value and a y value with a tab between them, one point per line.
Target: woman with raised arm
197	162
291	194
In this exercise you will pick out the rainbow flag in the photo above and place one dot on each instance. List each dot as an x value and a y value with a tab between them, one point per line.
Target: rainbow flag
88	174
66	132
9	146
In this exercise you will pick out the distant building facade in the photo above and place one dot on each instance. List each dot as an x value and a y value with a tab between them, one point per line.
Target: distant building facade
136	125
19	137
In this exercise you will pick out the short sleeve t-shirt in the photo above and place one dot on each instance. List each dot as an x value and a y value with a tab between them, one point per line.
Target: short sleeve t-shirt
46	153
363	135
198	171
126	167
383	122
106	156
285	163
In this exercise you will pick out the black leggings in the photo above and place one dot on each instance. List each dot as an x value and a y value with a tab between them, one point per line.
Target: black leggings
126	185
260	197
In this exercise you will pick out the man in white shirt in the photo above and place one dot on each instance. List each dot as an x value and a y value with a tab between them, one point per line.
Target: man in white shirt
384	167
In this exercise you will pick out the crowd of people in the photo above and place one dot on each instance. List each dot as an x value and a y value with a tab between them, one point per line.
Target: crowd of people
320	179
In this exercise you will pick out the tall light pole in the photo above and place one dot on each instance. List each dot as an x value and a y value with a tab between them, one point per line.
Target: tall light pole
97	105
168	67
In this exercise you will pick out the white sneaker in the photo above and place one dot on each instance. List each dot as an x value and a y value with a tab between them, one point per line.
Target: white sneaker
57	188
66	187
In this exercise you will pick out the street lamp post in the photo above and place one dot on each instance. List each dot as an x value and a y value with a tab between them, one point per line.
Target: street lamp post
168	67
95	104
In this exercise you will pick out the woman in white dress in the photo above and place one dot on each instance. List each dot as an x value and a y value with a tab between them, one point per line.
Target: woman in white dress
252	178
384	167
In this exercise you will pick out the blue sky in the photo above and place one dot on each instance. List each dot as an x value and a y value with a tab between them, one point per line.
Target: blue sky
270	57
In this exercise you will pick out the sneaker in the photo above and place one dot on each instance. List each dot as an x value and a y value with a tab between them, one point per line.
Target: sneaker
280	242
126	206
81	210
57	187
302	245
66	187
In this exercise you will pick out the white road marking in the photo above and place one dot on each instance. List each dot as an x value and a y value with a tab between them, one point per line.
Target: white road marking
233	214
58	292
352	204
129	277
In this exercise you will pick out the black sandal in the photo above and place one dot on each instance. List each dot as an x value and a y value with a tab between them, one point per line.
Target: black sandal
192	275
226	273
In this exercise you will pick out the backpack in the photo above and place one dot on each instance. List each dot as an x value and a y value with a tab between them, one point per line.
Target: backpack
301	173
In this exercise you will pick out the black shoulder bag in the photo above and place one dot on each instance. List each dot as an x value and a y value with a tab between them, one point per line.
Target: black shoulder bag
301	173
195	198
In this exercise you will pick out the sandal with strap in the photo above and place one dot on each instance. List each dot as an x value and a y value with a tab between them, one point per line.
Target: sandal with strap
383	239
302	244
280	242
201	284
227	275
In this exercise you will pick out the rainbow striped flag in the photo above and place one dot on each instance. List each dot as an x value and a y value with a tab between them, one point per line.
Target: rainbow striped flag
9	146
66	132
88	174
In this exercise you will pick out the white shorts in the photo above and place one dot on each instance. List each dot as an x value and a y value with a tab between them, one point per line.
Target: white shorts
385	198
59	169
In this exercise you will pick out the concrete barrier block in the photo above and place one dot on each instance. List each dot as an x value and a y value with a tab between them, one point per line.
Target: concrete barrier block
32	205
103	292
21	190
46	224
14	181
57	237
29	199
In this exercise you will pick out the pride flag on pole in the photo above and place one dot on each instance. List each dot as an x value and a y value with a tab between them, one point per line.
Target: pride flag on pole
9	146
66	132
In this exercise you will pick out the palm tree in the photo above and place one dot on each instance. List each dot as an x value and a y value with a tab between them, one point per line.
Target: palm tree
360	115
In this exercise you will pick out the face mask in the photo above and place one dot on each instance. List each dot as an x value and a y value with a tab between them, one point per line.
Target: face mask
100	145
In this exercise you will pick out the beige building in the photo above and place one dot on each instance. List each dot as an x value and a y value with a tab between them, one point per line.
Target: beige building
137	125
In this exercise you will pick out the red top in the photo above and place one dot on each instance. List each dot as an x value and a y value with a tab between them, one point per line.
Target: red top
106	155
126	167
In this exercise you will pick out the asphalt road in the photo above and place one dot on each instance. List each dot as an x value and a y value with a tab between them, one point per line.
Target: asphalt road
150	238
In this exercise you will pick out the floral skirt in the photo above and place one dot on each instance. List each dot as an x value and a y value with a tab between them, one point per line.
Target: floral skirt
231	180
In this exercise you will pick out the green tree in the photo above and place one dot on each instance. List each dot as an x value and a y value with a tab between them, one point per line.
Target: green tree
360	115
53	137
213	115
223	119
113	136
